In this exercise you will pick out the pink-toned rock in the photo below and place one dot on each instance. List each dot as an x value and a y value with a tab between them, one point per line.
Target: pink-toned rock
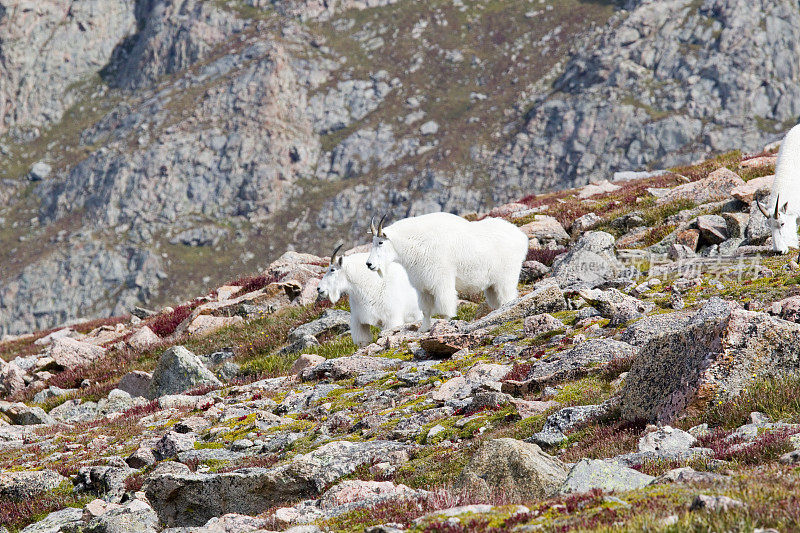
352	491
11	379
97	508
760	161
506	210
60	334
787	309
747	192
633	237
226	292
143	338
538	324
307	360
70	353
204	325
544	230
593	189
719	353
717	186
527	409
105	334
298	267
689	238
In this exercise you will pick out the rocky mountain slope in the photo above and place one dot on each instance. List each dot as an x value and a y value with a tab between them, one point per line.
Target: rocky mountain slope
150	148
645	378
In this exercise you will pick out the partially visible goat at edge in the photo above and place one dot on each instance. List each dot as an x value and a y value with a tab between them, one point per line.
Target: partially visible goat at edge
783	206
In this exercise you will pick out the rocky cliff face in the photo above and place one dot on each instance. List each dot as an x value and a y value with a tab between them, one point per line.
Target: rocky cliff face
186	142
663	84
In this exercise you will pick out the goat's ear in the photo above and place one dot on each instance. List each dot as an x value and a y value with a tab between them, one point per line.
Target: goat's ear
784	207
339	260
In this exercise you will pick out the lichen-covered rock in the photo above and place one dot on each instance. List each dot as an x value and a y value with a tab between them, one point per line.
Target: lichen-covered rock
193	499
545	231
590	262
615	305
562	421
64	520
70	353
28	484
717	186
539	324
719	352
179	370
545	298
332	320
517	469
607	476
641	331
348	367
105	481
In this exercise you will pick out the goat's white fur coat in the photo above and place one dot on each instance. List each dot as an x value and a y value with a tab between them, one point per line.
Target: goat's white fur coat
386	301
444	254
786	194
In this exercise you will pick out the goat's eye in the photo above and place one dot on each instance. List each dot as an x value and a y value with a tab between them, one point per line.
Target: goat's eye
380	243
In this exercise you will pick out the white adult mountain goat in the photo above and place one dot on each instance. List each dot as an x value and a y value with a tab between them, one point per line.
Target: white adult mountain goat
444	254
783	206
387	301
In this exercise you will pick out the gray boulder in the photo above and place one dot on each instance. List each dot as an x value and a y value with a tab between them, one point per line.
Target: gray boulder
546	297
40	171
618	307
178	370
564	420
349	367
193	499
135	516
303	343
332	320
544	323
68	519
646	329
667	441
713	229
590	262
28	484
107	482
588	356
708	502
719	352
136	383
24	415
519	470
607	476
172	443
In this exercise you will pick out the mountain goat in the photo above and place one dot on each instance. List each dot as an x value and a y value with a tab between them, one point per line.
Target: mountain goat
387	301
444	254
784	201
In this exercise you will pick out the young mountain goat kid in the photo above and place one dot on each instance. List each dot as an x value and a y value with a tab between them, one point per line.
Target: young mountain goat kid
387	301
783	206
444	254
